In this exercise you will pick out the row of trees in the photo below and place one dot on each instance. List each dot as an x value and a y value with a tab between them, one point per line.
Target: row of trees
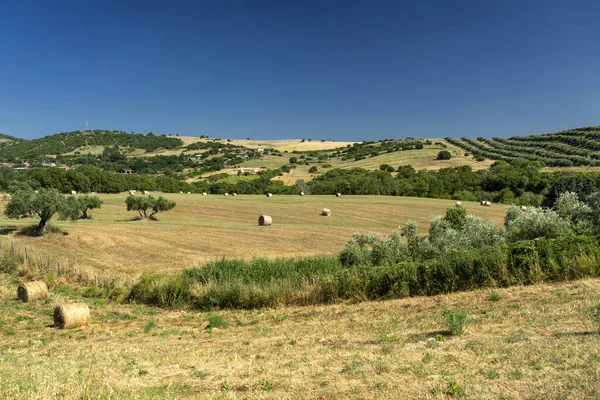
562	149
519	182
46	203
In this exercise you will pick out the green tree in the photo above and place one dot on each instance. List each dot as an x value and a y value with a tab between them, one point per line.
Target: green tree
148	207
444	155
43	203
456	217
78	207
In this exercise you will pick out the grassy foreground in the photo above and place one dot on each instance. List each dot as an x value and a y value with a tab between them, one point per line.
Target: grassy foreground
520	343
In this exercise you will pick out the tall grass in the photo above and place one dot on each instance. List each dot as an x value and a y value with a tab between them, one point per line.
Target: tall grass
269	283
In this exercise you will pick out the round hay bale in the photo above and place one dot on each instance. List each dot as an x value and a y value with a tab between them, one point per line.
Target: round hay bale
487	203
30	291
482	202
265	220
326	212
203	193
269	194
235	194
225	194
458	204
523	208
301	193
67	316
338	195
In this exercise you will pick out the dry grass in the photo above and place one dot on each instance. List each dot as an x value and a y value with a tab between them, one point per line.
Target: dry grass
204	228
532	343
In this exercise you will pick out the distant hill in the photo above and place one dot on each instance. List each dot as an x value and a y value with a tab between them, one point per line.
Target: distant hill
70	141
11	138
573	147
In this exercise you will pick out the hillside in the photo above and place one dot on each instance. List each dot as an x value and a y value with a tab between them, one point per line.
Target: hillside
533	342
70	141
573	147
5	138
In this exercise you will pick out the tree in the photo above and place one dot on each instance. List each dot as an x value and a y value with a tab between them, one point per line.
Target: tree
293	160
444	155
386	167
43	203
78	207
582	185
313	169
143	205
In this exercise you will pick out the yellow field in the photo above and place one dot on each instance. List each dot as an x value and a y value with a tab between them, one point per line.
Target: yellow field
203	228
532	342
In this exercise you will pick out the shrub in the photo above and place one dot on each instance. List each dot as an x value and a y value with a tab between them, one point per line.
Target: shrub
594	313
386	167
455	320
535	223
313	169
444	155
217	321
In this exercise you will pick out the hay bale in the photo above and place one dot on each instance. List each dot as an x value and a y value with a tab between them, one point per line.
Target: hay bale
73	192
203	193
235	194
67	316
482	202
145	192
30	291
326	212
265	220
338	195
189	192
269	195
487	203
458	204
132	192
225	194
301	193
523	208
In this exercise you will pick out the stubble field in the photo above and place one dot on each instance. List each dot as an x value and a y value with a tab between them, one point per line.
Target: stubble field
210	227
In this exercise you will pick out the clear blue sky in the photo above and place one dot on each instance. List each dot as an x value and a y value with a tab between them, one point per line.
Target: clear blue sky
320	69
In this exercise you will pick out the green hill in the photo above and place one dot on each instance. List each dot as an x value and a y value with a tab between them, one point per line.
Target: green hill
573	147
70	141
4	137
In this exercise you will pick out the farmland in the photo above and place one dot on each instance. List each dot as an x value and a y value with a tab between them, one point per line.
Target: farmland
521	342
205	228
573	147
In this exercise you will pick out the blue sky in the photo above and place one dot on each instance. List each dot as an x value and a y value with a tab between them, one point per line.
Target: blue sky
320	69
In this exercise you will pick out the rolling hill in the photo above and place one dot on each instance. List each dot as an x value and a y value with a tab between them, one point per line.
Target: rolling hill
573	147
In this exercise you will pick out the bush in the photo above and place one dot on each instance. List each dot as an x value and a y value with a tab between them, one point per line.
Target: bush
455	320
594	313
386	167
444	155
535	223
313	169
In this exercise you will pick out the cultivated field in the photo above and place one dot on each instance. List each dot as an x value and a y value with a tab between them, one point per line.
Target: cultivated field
531	342
204	228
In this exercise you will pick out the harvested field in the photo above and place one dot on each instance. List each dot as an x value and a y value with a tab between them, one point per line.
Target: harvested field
532	342
204	228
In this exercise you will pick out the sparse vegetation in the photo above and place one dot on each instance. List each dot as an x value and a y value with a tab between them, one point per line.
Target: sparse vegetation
455	320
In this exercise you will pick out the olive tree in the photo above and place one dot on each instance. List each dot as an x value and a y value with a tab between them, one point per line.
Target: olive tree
78	207
42	203
148	207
